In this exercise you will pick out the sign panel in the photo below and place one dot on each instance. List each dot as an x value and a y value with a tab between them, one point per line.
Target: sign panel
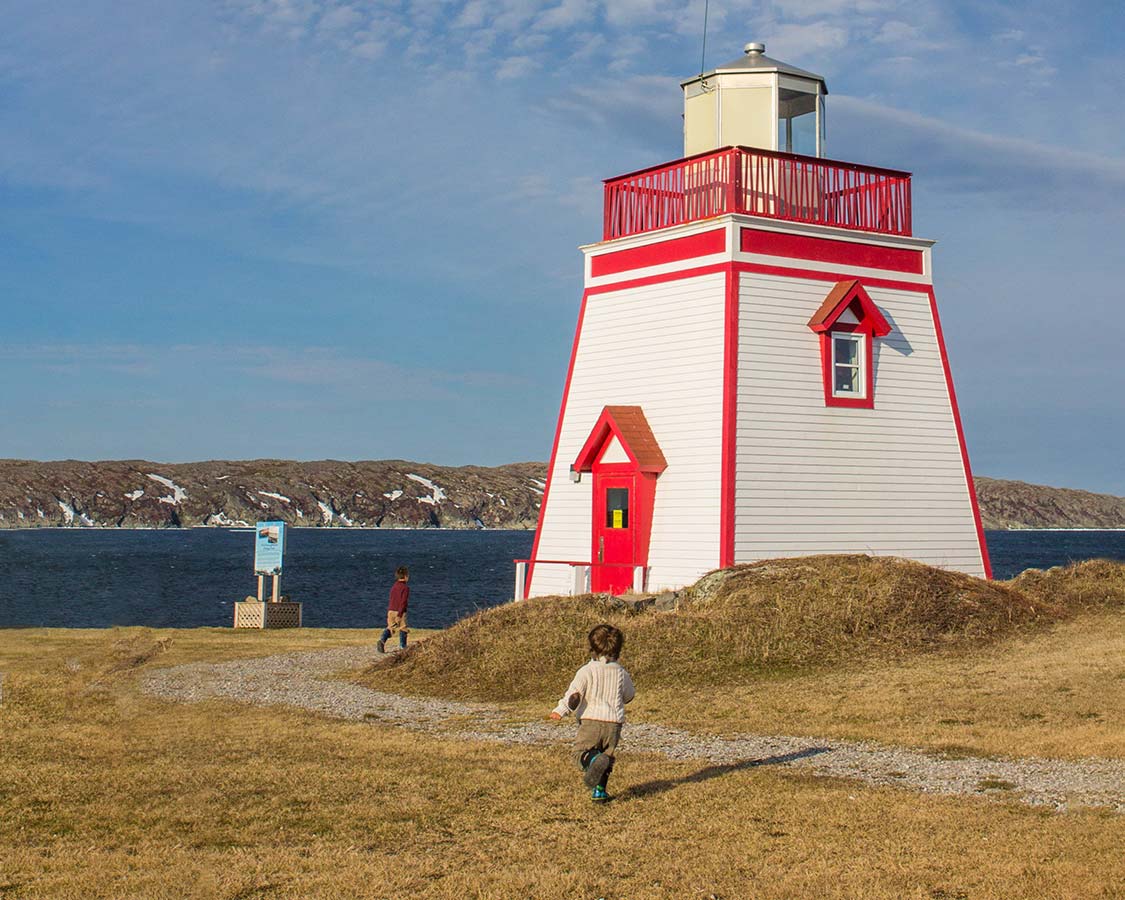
269	547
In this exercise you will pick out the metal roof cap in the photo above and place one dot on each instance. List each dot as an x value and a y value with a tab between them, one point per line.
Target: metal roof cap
755	60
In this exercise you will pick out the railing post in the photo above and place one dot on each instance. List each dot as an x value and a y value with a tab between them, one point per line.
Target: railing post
521	580
607	212
738	196
578	584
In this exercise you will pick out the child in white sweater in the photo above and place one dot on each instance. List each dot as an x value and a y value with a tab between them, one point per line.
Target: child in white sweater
597	697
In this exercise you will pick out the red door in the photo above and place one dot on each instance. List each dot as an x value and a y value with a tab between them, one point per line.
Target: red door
614	533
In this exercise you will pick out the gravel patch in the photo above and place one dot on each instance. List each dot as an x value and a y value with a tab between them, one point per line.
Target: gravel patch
302	680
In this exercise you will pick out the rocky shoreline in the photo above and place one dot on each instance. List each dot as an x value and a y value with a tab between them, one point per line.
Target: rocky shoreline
382	494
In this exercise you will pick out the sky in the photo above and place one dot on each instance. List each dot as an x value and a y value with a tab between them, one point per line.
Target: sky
326	229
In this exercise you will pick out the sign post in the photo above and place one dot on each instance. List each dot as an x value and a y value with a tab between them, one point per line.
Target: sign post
269	554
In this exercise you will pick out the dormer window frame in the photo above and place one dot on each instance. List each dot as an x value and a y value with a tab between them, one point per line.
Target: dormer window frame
862	365
848	312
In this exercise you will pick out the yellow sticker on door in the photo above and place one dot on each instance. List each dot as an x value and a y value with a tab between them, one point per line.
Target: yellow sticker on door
619	518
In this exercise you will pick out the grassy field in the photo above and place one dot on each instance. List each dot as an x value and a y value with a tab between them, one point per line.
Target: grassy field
858	648
105	792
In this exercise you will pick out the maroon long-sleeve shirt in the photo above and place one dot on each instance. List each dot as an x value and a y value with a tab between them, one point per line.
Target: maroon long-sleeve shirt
400	597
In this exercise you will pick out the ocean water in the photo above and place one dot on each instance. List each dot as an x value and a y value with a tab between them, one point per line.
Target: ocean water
89	578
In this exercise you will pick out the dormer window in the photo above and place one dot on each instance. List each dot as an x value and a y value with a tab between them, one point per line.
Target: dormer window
848	323
847	364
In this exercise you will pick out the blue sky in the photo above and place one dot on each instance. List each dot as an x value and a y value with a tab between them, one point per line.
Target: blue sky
316	228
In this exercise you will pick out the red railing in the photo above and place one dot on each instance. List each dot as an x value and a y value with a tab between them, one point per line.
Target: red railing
758	183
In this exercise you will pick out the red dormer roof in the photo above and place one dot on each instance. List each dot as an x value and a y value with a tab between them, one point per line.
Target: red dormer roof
629	425
845	295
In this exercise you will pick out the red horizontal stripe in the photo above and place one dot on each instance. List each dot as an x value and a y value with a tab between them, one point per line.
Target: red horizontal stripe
661	252
844	253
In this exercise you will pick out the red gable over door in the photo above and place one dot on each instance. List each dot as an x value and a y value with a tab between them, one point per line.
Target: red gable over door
623	496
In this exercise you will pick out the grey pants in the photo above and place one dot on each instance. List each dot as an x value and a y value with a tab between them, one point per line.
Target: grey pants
596	737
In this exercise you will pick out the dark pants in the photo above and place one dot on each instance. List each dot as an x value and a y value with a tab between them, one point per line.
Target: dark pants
596	737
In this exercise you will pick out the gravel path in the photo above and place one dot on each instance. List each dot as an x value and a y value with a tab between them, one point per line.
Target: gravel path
301	680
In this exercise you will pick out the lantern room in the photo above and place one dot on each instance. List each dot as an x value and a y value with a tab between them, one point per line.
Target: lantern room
755	101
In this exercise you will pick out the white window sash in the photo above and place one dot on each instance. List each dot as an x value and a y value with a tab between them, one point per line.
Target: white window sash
859	366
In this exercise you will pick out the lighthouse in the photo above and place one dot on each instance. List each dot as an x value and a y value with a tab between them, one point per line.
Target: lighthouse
758	369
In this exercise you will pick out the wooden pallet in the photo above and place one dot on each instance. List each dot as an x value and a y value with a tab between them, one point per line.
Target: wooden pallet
251	614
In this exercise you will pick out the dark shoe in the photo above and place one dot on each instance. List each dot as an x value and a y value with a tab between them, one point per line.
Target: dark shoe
381	647
599	765
599	795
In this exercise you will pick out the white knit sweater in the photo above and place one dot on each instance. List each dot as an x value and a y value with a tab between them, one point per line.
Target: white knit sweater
603	688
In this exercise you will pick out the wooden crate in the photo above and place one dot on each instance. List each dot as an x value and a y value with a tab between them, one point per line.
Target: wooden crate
249	614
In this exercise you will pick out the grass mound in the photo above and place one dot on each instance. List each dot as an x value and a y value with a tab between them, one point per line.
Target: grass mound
734	626
1093	584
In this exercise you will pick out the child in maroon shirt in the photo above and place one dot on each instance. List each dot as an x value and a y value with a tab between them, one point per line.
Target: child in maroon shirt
396	610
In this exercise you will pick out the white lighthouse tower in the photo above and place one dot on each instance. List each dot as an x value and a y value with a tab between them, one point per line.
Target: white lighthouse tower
758	369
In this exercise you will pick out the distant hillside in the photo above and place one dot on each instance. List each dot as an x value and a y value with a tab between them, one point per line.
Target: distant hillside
327	493
384	493
1014	504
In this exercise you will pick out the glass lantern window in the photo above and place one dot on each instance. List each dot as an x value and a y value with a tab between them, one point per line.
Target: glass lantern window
799	122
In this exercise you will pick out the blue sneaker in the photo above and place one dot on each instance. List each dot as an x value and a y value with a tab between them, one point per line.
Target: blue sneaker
599	795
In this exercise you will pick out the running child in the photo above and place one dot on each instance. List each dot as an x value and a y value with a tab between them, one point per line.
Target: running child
597	697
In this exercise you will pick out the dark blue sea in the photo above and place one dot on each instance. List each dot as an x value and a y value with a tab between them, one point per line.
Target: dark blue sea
86	578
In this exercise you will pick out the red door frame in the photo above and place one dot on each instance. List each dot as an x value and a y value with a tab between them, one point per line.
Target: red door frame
644	463
613	551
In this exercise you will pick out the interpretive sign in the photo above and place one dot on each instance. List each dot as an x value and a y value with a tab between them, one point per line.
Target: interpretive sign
269	547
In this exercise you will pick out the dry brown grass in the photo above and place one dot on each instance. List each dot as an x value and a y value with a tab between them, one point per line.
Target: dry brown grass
1093	584
1057	692
846	647
106	793
734	627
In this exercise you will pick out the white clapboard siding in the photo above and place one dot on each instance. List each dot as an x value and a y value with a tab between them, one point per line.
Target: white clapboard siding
659	347
816	479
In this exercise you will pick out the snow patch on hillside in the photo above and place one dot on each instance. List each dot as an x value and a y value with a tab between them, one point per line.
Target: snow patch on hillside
135	495
393	495
326	513
280	497
225	521
178	493
70	514
436	493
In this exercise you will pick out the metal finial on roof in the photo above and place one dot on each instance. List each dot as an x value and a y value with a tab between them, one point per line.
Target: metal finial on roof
754	48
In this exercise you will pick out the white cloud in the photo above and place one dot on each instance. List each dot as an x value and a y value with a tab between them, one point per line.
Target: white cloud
568	14
339	18
895	32
515	67
793	40
979	161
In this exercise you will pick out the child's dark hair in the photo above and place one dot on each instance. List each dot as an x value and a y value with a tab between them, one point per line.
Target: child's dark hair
401	572
607	641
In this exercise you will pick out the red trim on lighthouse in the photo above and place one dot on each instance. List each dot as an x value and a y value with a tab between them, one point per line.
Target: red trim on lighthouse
969	483
658	253
644	281
555	445
589	292
730	420
841	252
813	274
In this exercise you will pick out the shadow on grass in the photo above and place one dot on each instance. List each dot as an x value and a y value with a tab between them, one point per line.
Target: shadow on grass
649	788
